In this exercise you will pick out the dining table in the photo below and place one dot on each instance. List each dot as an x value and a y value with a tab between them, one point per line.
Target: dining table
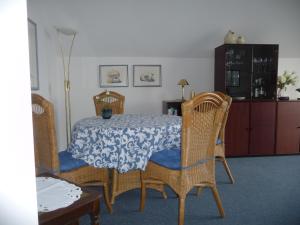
125	141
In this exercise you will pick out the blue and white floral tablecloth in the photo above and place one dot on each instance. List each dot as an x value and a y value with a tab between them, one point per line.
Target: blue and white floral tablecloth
124	142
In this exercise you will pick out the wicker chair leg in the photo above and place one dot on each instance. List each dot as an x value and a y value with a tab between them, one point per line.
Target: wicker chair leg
228	170
164	194
158	186
181	210
143	196
199	191
114	186
106	198
218	201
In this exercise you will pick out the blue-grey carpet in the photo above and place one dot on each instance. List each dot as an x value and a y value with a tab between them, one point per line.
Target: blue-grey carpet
266	192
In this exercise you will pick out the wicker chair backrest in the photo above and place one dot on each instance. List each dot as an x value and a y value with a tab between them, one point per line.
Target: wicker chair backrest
109	99
201	122
228	99
45	145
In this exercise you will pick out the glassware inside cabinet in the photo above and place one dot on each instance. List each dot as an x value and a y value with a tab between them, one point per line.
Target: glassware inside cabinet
238	71
246	71
234	57
264	72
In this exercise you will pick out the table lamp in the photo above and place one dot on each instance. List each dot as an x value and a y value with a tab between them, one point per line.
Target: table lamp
182	83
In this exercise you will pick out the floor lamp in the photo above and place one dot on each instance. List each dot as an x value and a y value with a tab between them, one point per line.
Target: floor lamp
66	66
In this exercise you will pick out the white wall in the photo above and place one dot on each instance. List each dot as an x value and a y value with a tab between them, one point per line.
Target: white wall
85	83
17	190
198	71
84	75
290	64
171	28
47	53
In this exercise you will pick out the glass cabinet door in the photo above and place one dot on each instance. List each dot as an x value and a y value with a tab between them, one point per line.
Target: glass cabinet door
264	72
247	71
238	71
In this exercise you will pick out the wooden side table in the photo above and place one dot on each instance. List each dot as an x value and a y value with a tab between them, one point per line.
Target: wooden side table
174	105
89	203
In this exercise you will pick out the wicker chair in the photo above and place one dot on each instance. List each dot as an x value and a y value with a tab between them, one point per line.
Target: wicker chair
114	100
121	182
193	164
220	144
220	147
47	159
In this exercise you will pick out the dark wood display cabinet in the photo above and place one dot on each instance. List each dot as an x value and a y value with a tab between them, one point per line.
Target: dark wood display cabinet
237	129
250	128
262	128
288	127
248	73
172	107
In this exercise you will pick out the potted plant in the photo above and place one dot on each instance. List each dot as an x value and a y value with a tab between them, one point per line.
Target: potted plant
287	78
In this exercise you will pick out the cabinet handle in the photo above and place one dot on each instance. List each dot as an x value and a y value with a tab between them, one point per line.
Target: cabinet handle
298	127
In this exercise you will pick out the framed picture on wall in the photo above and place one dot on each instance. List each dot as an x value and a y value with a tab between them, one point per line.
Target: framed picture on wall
147	75
33	55
113	75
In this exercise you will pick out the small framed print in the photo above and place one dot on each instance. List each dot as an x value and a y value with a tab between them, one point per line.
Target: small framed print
147	75
113	75
33	55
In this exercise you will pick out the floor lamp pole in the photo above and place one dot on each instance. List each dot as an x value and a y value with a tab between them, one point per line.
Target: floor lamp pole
67	87
68	110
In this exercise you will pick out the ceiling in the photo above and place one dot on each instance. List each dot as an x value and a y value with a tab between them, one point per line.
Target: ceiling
169	28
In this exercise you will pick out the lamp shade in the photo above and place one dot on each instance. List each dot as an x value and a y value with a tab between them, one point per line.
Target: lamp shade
65	31
183	82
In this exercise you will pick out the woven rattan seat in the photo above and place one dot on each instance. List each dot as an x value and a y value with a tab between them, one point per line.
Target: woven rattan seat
201	122
46	154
